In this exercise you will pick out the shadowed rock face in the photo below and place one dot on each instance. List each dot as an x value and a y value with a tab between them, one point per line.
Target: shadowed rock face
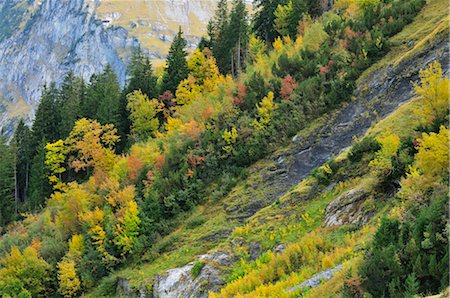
58	36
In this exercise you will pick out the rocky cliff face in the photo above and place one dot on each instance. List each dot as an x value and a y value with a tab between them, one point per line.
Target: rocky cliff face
42	40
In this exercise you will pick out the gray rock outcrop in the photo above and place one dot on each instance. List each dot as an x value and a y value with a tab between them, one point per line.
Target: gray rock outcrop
347	209
58	36
179	282
317	279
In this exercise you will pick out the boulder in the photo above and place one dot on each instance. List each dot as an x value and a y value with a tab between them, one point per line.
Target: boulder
179	282
317	279
347	209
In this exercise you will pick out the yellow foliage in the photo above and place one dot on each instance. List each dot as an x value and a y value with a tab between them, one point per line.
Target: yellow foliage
257	48
147	152
382	164
203	68
69	203
54	160
287	269
433	93
230	137
430	166
281	21
187	91
314	36
299	43
92	145
277	44
143	113
128	228
23	274
265	109
76	247
69	283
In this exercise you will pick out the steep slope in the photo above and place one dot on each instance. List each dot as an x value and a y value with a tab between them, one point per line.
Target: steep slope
51	38
381	90
155	23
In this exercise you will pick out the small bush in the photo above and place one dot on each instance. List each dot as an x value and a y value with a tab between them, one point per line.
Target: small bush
195	222
196	269
366	145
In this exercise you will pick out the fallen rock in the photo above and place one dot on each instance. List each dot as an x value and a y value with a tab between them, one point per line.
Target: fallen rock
180	283
347	209
279	248
317	279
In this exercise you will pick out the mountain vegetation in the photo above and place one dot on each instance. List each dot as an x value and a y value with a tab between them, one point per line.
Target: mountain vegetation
113	182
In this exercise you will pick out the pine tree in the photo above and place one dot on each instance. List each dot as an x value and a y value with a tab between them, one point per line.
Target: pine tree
21	143
218	34
39	187
411	286
176	69
238	36
264	18
70	95
46	124
103	98
7	202
141	76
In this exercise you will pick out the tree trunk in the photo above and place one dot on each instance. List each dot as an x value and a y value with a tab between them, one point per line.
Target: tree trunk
16	189
26	182
238	70
232	65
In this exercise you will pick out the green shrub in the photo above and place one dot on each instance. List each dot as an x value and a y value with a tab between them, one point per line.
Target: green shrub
364	146
195	222
196	269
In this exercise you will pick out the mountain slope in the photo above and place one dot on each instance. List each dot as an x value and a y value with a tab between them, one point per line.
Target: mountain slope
53	38
155	23
273	207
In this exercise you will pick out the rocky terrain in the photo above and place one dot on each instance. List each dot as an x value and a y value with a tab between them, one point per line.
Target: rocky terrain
55	37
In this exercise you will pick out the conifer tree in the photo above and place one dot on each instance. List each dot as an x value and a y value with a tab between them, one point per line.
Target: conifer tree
7	202
102	98
23	153
141	76
39	187
46	124
264	18
176	69
71	93
238	36
218	35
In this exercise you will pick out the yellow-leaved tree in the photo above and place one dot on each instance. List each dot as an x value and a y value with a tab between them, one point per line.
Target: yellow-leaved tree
187	91
430	168
433	93
265	110
91	146
203	68
69	283
230	137
143	111
55	157
382	164
24	274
